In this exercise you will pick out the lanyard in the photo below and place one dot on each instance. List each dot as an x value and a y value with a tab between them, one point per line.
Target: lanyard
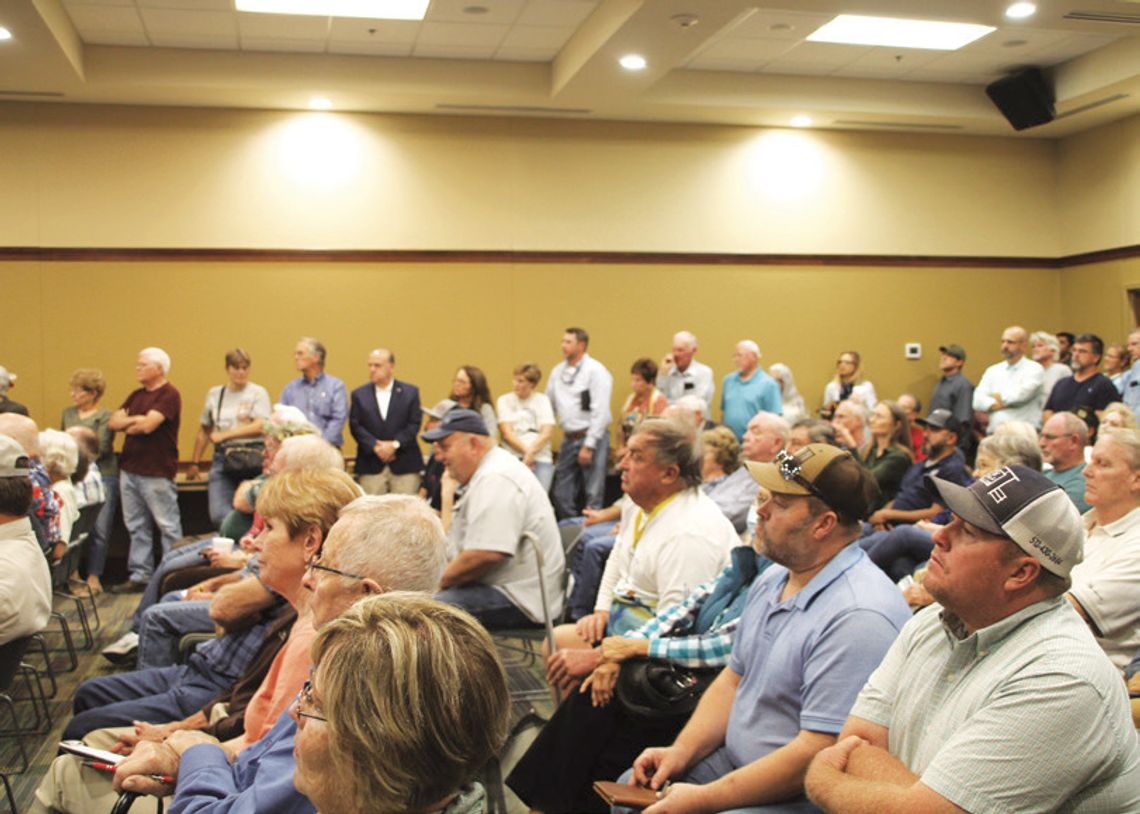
642	521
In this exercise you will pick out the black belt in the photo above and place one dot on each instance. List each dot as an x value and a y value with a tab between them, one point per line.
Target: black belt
575	436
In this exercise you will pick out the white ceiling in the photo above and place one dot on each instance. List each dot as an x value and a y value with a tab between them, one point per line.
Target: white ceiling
740	63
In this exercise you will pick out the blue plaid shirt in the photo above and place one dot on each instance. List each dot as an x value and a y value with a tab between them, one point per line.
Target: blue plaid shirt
227	656
710	649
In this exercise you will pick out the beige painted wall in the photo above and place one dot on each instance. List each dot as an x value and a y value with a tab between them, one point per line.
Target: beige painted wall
154	177
437	317
1095	298
1098	176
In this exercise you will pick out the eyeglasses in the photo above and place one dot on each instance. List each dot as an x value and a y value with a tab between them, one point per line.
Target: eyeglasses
791	471
306	699
315	565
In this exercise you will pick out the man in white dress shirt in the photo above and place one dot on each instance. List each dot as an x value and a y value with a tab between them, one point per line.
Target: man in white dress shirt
681	375
1011	389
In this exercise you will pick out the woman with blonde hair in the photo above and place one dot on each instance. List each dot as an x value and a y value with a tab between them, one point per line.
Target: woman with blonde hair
848	384
412	737
724	479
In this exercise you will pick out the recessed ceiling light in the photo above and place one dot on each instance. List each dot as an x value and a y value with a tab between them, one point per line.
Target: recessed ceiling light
5	34
801	121
854	29
368	9
632	62
779	27
1019	11
320	103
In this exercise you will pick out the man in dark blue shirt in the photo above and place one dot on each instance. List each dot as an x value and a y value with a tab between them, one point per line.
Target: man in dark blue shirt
915	501
1087	391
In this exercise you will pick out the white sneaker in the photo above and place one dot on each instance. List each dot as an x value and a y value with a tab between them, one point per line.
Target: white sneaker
122	649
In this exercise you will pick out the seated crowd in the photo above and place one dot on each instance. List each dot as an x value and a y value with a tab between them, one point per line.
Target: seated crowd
877	609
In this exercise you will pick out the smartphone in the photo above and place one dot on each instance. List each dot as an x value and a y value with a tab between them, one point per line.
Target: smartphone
83	750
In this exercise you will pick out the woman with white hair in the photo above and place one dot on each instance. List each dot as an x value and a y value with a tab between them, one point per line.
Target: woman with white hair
60	456
412	738
794	407
6	404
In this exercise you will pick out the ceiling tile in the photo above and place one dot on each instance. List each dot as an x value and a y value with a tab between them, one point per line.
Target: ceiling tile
214	42
285	26
69	3
995	43
282	44
469	36
978	63
1075	46
135	38
440	51
375	49
452	11
526	36
780	66
168	23
750	50
949	77
893	61
512	54
189	5
703	63
830	56
402	32
89	19
779	24
570	13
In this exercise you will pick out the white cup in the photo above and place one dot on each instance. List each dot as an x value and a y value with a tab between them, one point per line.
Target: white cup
222	545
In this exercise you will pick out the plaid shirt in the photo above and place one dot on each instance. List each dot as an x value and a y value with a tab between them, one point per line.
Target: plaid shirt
227	656
665	632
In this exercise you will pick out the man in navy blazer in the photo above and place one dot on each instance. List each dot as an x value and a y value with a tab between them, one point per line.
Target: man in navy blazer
385	419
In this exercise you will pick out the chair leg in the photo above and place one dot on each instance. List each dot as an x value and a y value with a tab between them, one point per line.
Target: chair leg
85	589
81	616
69	645
49	668
8	794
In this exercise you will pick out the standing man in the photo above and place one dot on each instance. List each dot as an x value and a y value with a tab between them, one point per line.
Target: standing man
681	375
25	582
385	419
815	623
149	419
1130	386
321	397
1087	391
749	390
955	393
493	574
1063	441
1011	390
998	698
579	389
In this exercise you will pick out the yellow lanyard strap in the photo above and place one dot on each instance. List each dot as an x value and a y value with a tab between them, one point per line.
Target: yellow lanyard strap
641	521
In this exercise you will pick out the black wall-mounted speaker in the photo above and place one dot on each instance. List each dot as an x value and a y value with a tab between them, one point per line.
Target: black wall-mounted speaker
1024	98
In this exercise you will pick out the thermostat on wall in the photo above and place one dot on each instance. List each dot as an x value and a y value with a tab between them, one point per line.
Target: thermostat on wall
913	350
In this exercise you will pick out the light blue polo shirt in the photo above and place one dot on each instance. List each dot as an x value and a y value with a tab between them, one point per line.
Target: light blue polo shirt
802	662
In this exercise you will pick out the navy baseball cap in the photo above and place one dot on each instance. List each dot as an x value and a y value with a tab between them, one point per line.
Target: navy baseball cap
458	420
1022	504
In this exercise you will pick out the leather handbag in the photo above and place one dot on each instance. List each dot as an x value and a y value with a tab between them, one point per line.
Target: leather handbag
658	690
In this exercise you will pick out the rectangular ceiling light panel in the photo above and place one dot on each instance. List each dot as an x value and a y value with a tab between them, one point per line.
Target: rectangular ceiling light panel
853	29
366	9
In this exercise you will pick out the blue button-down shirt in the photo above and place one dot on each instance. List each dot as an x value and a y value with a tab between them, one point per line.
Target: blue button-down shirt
324	401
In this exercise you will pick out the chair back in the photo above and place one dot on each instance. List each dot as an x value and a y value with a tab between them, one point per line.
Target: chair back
10	656
85	521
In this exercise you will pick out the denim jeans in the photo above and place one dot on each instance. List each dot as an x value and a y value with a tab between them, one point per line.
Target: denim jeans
716	766
181	557
570	478
489	605
220	489
544	471
163	626
100	536
147	498
590	556
898	551
156	696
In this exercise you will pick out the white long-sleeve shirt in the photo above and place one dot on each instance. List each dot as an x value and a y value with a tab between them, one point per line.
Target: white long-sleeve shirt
1019	385
565	387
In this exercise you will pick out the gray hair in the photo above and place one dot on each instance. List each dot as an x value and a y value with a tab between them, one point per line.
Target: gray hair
686	338
307	452
689	409
750	346
396	540
59	453
1129	442
818	430
315	346
157	356
775	424
1048	339
1010	449
7	379
1072	426
23	431
1020	428
674	444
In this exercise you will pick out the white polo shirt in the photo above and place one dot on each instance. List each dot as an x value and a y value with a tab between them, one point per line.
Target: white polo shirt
1107	584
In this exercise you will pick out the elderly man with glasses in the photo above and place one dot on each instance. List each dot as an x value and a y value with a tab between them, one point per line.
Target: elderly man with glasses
816	624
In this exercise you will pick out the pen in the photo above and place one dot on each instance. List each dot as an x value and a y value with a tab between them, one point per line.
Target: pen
110	767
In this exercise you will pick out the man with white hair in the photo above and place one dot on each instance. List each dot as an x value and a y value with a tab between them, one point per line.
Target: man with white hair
493	574
1045	350
149	419
1011	390
8	379
321	397
45	509
679	374
748	390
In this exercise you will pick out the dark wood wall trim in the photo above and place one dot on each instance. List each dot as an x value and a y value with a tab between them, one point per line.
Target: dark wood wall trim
114	255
